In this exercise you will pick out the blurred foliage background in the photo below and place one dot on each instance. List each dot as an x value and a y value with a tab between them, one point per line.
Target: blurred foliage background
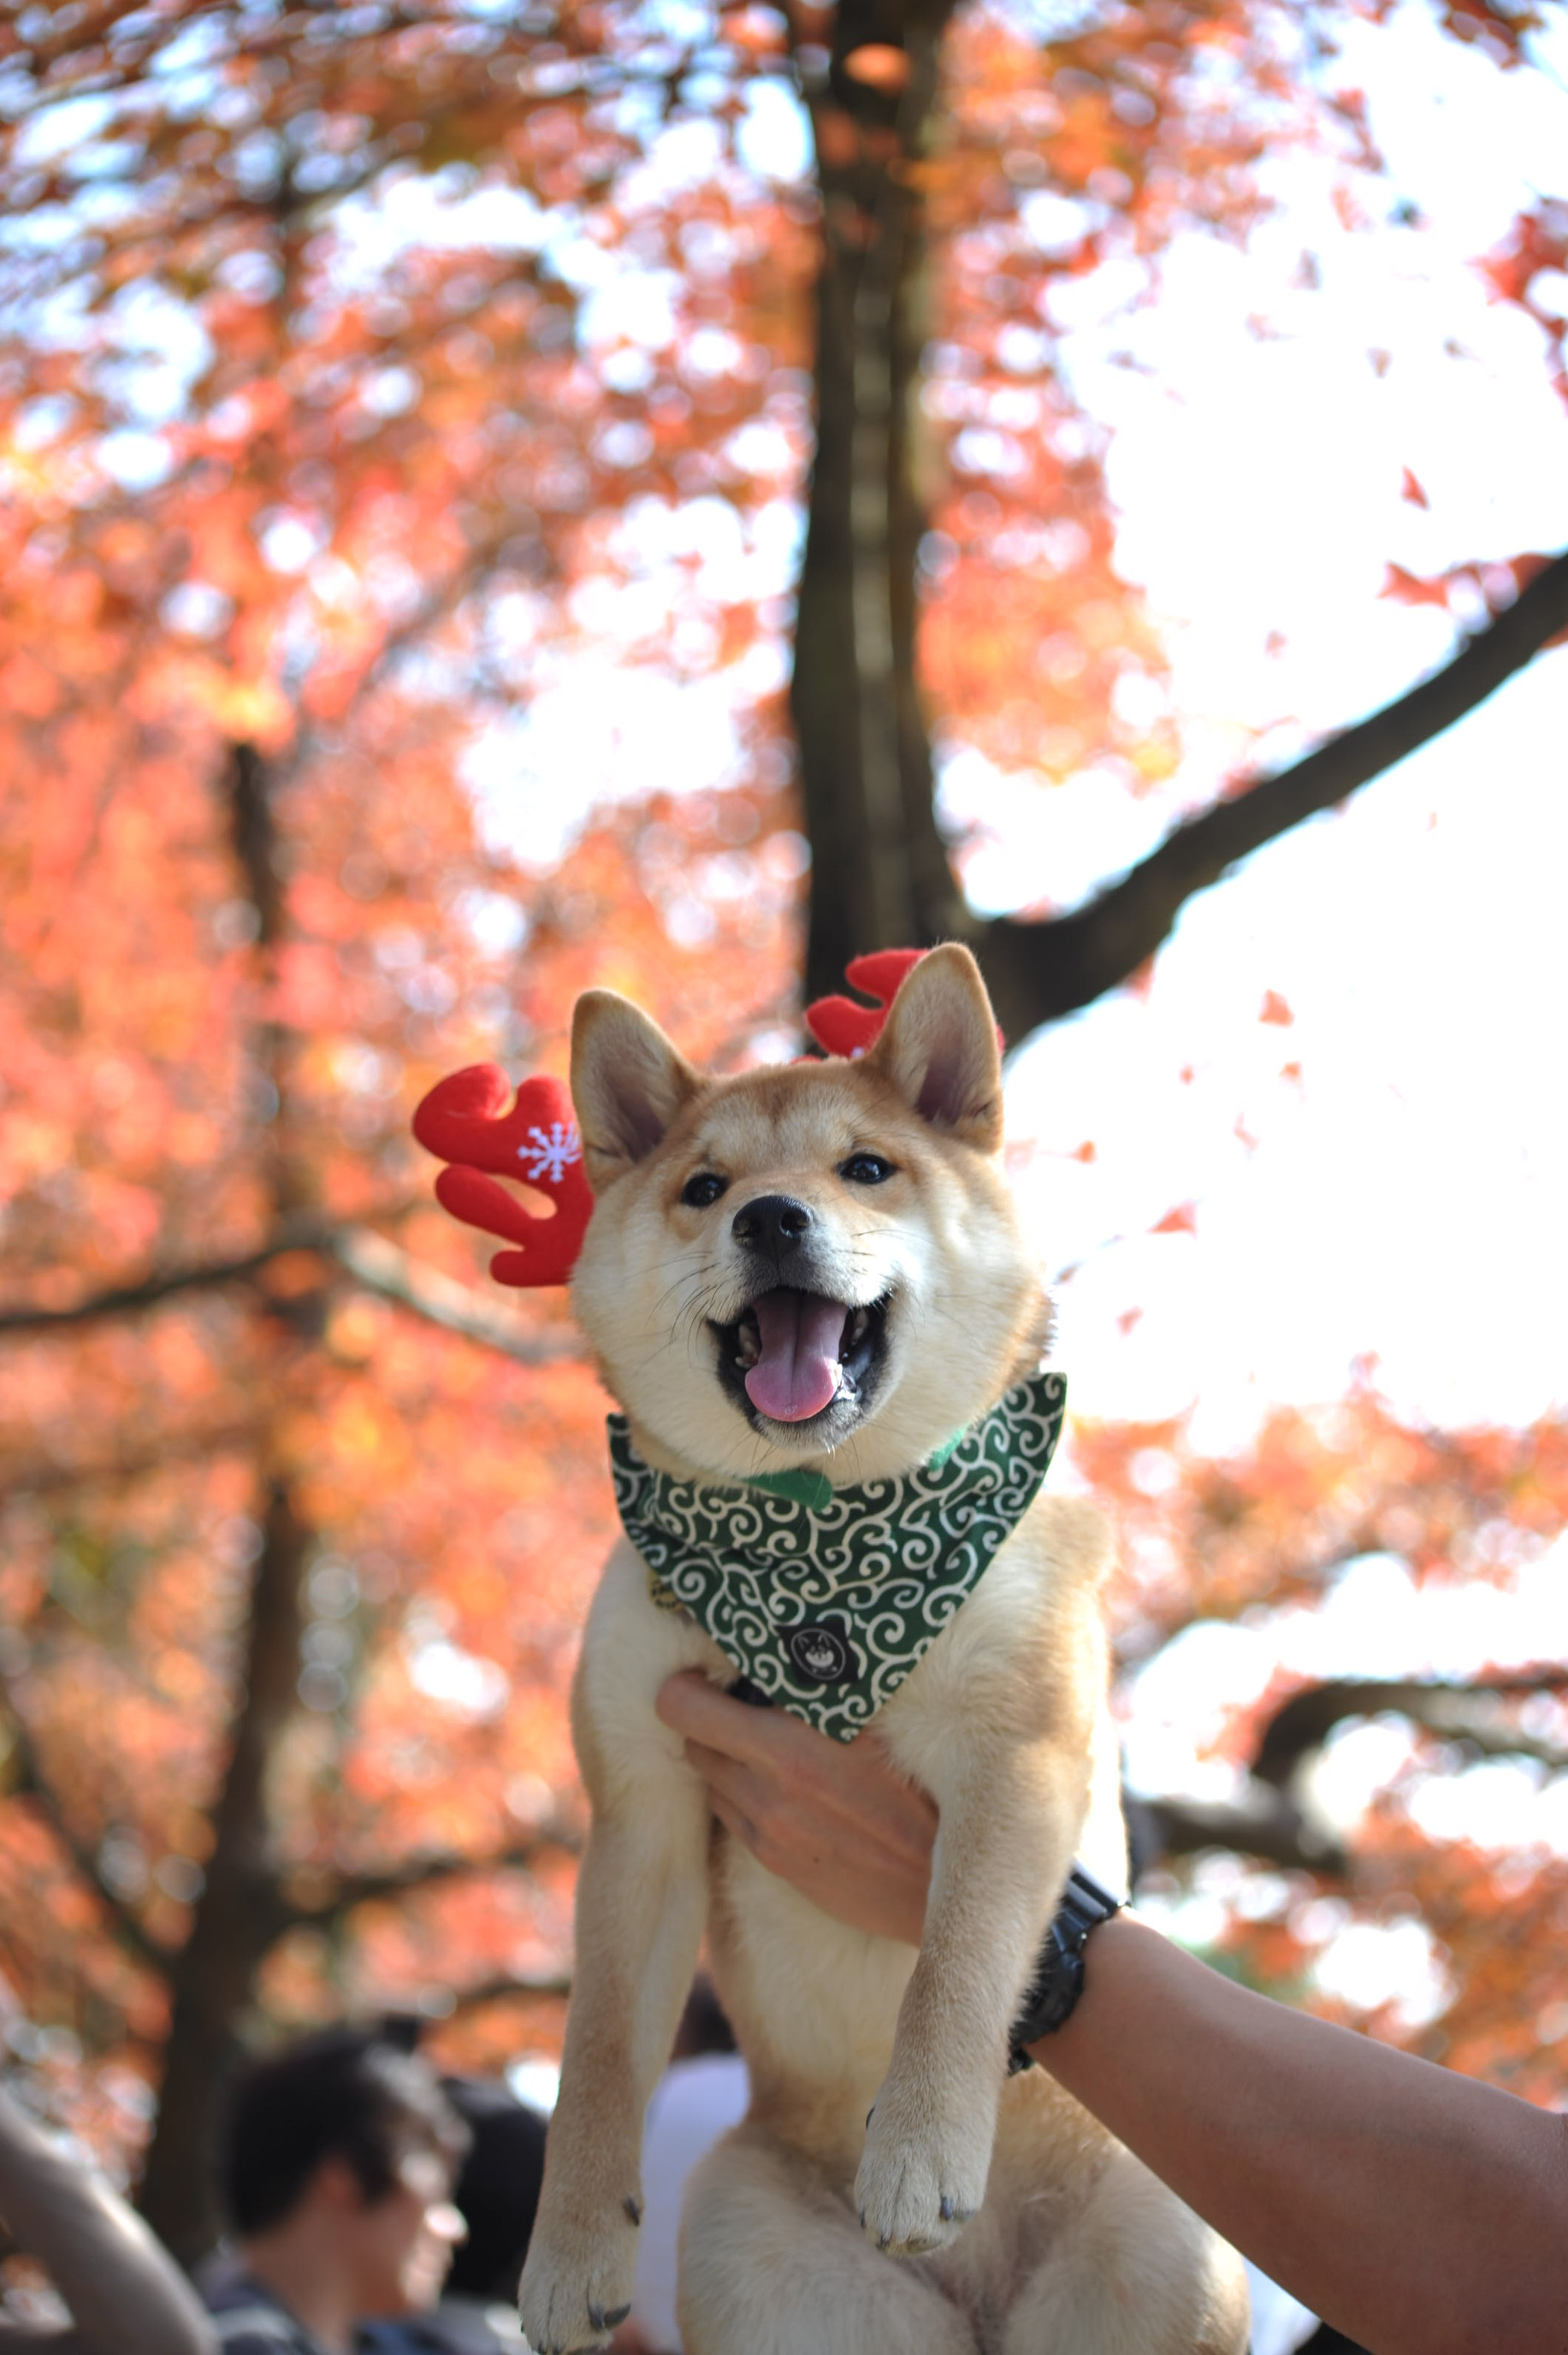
417	420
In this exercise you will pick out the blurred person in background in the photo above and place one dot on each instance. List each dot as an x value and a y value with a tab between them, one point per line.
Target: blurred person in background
495	2194
123	2292
338	2160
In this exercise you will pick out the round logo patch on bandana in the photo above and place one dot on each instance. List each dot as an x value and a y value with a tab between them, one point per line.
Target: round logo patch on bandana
820	1653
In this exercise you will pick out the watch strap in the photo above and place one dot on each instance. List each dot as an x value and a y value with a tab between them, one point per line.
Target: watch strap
1059	1974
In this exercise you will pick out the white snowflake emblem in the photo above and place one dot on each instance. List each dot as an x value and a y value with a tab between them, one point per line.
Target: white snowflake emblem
550	1153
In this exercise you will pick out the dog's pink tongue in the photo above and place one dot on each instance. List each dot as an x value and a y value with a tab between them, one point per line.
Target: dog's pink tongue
797	1372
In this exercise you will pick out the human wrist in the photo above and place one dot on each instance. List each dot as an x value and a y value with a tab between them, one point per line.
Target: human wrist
1048	2002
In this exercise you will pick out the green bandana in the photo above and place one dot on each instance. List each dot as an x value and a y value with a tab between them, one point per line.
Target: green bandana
826	1599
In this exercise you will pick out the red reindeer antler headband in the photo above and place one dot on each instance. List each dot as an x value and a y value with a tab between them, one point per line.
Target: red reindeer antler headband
845	1029
465	1122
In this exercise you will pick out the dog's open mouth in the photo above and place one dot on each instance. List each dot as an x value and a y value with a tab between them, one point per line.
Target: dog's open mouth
796	1354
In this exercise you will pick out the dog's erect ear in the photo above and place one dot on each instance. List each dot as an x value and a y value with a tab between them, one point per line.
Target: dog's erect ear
938	1047
627	1083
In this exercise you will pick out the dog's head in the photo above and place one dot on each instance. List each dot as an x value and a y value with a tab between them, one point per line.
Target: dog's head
819	1264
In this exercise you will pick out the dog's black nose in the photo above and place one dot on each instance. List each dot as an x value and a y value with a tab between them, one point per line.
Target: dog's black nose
772	1223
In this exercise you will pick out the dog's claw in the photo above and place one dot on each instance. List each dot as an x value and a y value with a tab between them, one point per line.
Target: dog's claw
633	2208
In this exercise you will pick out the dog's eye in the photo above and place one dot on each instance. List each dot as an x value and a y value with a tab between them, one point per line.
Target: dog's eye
700	1191
865	1169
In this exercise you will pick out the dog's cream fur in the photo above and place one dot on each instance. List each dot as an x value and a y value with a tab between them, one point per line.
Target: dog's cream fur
1011	2221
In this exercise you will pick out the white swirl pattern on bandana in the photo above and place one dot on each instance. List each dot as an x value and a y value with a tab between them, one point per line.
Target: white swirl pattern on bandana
827	1610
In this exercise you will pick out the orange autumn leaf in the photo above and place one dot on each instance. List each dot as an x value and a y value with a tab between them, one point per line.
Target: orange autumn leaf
879	65
1410	588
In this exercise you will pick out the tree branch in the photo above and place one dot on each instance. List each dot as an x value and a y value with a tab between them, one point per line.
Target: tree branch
294	1234
1262	1823
1039	972
32	1783
1265	1821
23	1478
478	564
373	1262
380	1266
1474	1710
427	1872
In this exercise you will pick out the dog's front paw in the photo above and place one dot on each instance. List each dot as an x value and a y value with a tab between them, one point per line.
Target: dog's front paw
923	2174
575	2291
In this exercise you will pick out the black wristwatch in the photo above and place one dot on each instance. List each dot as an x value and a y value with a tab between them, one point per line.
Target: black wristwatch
1057	1980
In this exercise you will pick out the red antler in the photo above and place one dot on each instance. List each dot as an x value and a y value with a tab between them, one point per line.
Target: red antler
845	1029
464	1121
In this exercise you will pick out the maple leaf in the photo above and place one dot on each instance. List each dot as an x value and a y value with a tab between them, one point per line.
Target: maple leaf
879	65
1410	588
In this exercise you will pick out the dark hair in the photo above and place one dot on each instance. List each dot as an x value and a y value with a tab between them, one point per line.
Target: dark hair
704	2025
348	2092
498	2189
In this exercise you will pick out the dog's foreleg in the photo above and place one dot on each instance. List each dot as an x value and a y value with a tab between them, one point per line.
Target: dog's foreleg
639	1918
1007	1827
641	1901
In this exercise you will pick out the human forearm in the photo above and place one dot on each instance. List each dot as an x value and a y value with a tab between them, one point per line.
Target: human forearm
1420	2212
125	2293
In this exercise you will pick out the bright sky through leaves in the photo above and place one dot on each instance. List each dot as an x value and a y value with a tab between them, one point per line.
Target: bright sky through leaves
1399	1193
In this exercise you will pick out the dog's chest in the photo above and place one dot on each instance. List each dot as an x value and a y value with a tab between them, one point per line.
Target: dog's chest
816	2002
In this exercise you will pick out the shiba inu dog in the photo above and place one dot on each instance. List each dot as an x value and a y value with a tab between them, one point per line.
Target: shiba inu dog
807	1287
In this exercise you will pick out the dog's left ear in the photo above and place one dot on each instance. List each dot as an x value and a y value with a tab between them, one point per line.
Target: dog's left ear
938	1047
627	1082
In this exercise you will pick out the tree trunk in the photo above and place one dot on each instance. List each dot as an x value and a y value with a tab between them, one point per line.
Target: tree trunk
240	1912
237	1915
881	874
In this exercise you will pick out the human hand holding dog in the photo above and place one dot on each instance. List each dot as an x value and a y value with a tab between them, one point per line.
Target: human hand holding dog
839	1823
836	1819
1419	2210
